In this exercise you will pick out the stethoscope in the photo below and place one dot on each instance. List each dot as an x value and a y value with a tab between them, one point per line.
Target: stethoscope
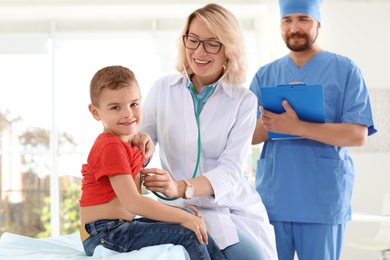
198	101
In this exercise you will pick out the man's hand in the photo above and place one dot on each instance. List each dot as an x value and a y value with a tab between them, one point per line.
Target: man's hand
284	123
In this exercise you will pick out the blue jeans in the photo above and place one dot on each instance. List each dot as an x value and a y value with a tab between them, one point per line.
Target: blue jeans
125	236
247	249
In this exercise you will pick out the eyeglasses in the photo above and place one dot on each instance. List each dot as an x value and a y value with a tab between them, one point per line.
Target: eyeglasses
210	46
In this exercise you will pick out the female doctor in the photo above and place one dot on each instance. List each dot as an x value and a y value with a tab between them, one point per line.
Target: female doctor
203	120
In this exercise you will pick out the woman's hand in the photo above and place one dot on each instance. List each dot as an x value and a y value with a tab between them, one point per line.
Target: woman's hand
159	180
143	142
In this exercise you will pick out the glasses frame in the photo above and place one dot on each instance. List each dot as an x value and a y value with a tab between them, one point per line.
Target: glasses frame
185	36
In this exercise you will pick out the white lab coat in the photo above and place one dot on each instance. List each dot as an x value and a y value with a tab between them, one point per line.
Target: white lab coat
227	122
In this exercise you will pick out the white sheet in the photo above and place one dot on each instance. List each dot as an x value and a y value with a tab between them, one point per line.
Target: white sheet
69	247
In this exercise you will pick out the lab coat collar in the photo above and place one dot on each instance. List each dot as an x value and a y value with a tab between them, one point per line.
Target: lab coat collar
181	79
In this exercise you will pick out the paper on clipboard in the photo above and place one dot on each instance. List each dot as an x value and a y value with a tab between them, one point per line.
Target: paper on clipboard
306	100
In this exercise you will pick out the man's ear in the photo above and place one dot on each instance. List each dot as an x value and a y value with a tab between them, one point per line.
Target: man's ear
94	112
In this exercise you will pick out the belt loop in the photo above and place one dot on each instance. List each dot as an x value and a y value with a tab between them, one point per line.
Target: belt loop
92	227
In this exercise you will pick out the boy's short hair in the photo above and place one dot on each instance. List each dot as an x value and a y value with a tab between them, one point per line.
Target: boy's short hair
111	77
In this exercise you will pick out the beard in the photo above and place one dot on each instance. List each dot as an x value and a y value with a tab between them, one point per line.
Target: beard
299	47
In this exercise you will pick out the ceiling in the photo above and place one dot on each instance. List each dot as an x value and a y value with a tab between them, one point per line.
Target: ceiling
70	15
41	15
84	9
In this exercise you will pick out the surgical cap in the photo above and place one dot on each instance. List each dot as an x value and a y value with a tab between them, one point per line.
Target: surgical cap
309	7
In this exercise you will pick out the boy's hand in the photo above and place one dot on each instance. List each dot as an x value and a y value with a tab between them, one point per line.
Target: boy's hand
143	142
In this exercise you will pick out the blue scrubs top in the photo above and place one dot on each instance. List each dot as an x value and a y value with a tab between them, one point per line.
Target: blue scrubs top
301	180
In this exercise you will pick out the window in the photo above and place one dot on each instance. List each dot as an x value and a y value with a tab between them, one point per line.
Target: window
46	130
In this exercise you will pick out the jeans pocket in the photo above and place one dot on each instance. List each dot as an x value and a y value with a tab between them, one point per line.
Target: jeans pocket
91	243
114	224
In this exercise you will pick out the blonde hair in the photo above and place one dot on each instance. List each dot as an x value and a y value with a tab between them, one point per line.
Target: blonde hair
224	25
111	77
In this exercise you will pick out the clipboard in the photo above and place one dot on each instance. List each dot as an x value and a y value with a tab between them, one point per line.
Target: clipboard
306	100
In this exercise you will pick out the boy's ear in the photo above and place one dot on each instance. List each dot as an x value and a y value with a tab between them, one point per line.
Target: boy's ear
94	112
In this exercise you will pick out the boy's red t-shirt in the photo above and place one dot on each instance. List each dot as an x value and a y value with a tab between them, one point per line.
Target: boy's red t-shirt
109	156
